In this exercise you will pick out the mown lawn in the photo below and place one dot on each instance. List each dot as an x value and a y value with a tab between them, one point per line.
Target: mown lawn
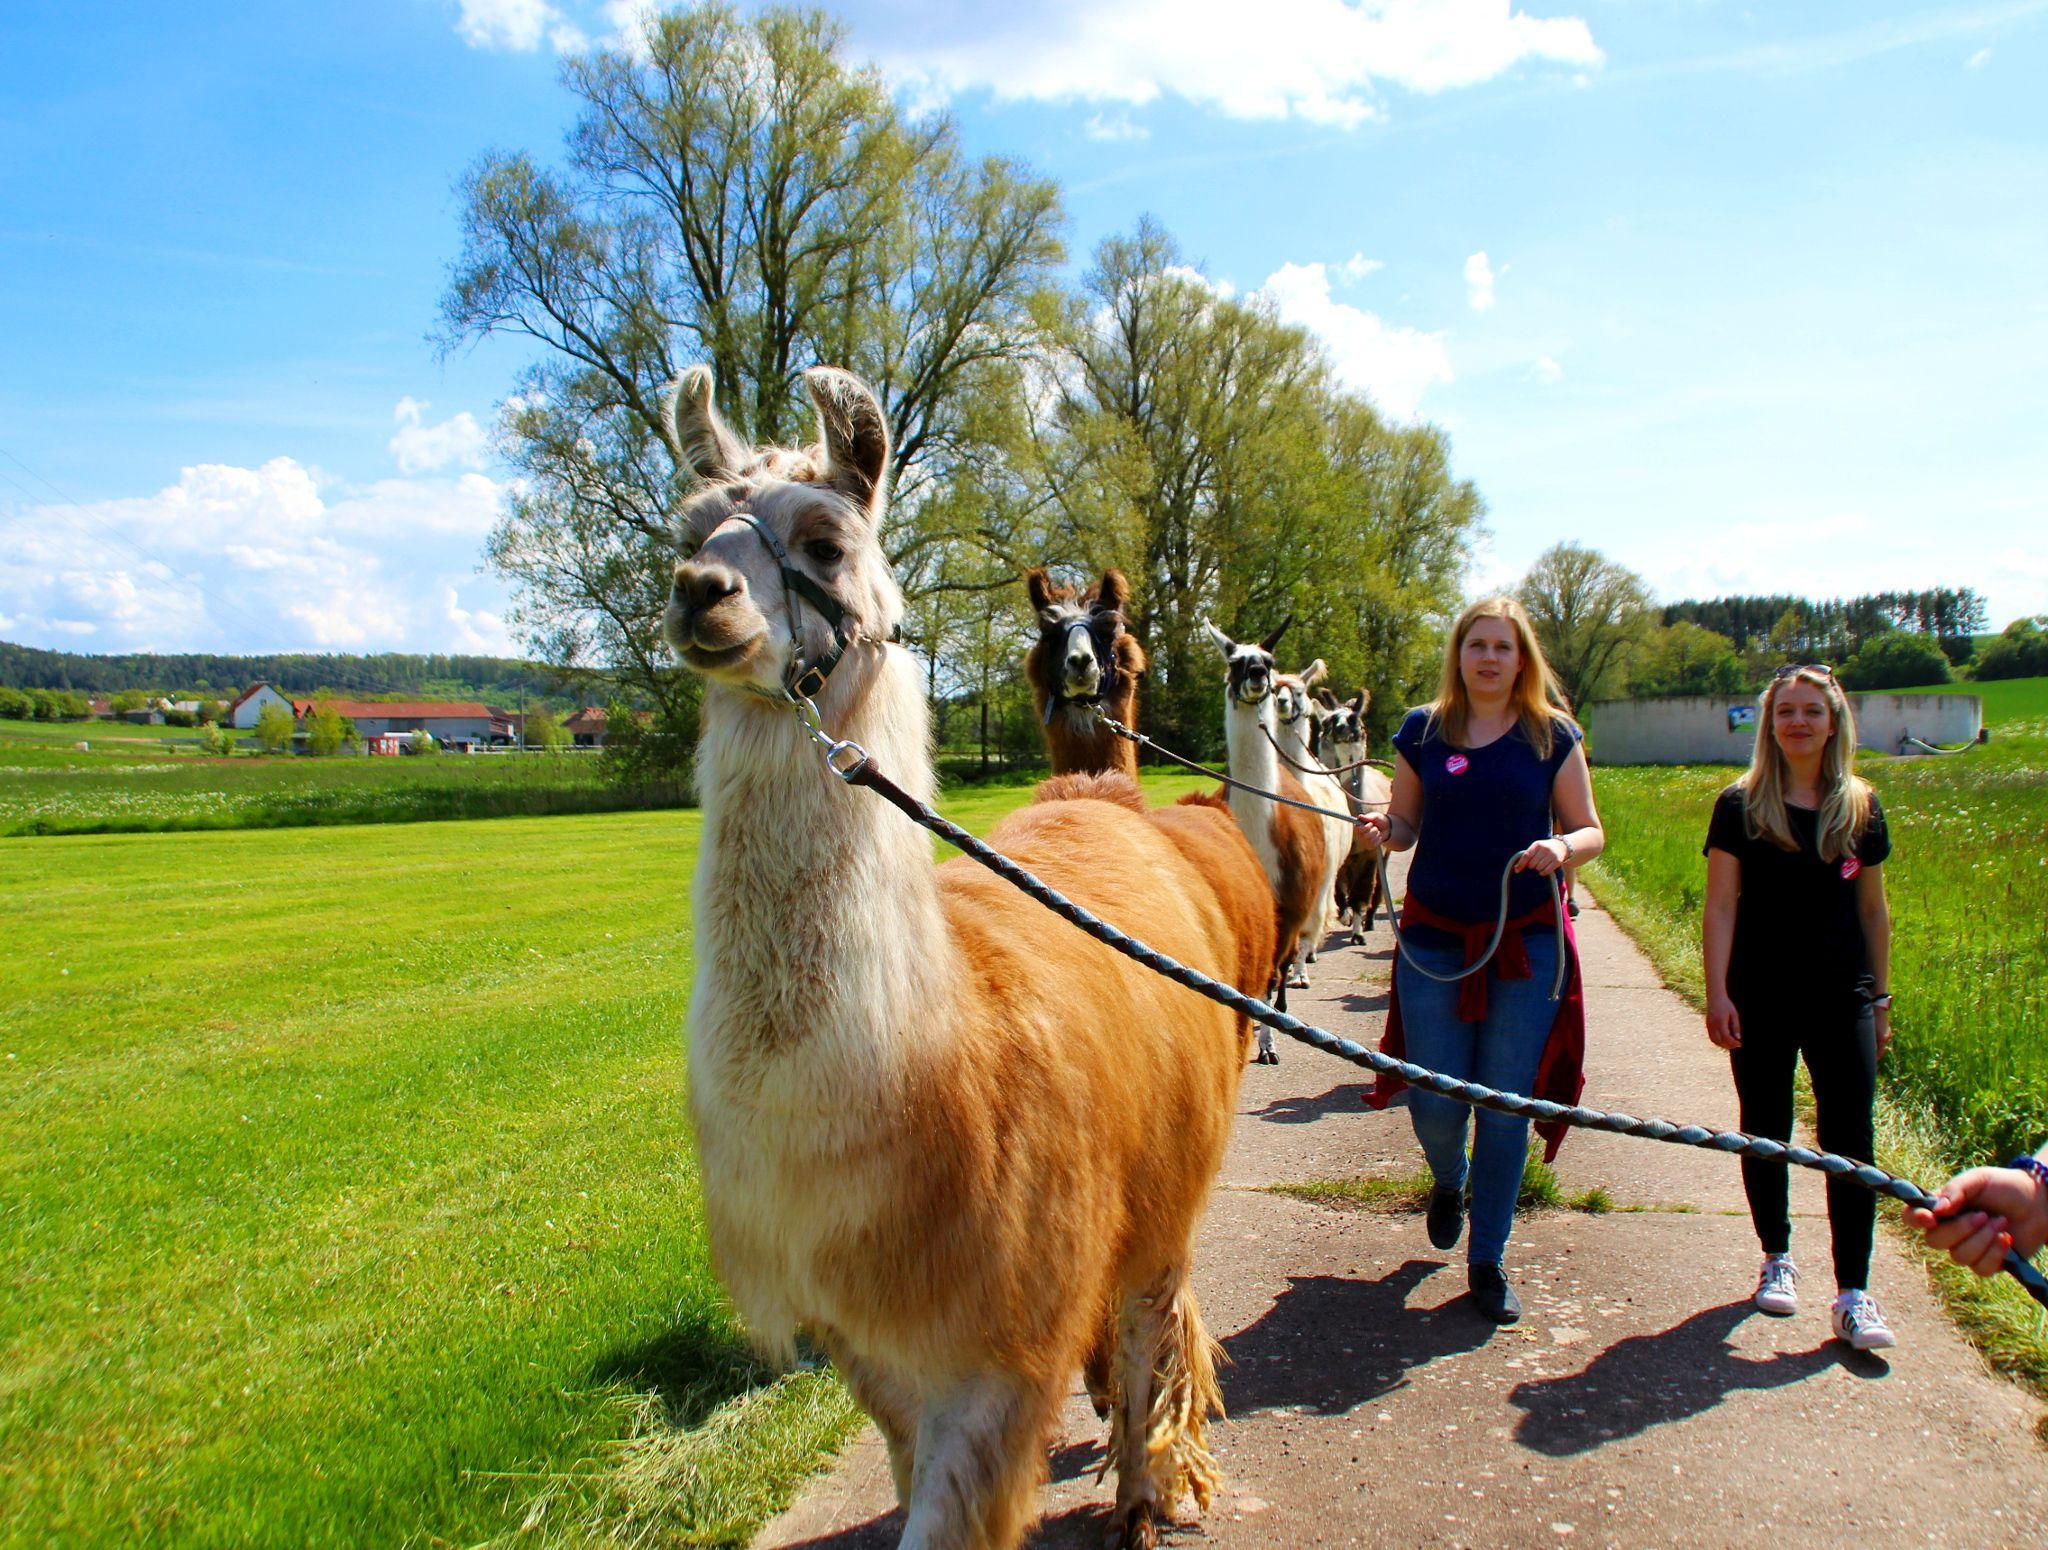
2006	700
348	1195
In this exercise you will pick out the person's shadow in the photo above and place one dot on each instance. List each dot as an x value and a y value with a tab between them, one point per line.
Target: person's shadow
1331	1343
1648	1380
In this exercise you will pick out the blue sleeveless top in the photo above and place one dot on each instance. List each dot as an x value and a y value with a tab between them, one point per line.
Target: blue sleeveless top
1479	807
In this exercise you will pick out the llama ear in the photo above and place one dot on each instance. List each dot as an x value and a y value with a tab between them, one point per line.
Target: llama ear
1114	592
1273	640
1326	699
1039	585
1315	672
1360	700
855	434
1223	642
697	437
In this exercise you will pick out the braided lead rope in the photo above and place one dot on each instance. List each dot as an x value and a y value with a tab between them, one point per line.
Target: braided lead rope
852	764
1121	730
1500	926
1322	769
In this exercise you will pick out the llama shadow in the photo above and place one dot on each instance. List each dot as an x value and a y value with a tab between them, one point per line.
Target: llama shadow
1332	1343
1345	1098
1673	1375
1361	1002
690	1368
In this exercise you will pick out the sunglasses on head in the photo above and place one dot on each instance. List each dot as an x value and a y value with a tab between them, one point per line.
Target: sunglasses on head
1791	669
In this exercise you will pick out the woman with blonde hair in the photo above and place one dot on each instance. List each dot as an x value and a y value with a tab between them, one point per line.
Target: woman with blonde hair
1797	938
1480	773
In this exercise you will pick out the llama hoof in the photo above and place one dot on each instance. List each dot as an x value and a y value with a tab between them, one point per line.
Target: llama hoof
1135	1527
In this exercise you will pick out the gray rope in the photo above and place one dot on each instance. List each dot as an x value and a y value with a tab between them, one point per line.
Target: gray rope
858	769
1319	768
1121	730
1500	926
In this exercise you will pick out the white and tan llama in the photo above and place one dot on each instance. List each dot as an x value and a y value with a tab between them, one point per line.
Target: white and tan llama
1294	717
960	1142
1288	841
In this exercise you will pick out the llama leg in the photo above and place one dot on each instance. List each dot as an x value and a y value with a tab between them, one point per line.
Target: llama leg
1167	1364
893	1406
981	1456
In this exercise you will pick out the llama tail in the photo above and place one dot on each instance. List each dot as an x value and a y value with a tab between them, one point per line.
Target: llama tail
1100	786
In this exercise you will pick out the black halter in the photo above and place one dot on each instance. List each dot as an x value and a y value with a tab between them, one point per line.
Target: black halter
803	680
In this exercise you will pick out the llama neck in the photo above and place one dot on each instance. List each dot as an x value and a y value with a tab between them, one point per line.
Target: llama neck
1252	759
1293	739
819	927
1078	744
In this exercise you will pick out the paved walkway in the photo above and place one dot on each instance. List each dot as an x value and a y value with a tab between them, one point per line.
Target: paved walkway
1640	1403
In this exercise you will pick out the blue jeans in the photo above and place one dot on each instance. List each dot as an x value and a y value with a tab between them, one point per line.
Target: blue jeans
1502	1052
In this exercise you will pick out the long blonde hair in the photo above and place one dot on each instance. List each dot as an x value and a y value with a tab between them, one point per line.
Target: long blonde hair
1539	704
1844	795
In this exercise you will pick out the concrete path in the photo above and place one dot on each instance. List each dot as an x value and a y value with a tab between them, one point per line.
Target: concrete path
1640	1403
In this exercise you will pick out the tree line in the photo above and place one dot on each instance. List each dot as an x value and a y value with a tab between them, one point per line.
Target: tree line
1608	639
344	674
739	192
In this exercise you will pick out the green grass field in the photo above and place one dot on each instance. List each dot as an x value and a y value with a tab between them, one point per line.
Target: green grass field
349	1199
152	779
2006	700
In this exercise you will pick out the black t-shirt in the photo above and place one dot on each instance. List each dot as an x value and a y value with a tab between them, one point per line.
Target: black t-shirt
1797	933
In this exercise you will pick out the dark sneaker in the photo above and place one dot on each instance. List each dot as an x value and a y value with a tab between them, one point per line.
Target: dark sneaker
1446	1218
1492	1295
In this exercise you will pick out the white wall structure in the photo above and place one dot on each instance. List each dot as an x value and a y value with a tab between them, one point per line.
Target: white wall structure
248	705
1704	729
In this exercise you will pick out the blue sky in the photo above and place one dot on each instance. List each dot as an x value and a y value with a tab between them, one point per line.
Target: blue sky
1751	298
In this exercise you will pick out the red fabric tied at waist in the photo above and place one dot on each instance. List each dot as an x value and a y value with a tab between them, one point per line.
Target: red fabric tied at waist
1561	1073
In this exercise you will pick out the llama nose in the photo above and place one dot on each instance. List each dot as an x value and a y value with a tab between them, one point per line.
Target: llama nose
703	587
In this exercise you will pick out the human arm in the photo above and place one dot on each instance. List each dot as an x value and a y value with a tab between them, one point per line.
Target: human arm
1397	827
1571	799
1717	937
1875	915
1981	1213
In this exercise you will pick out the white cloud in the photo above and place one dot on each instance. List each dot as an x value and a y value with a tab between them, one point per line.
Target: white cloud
1357	267
265	558
518	25
1545	370
1978	60
418	446
1391	364
1322	60
1119	126
1479	278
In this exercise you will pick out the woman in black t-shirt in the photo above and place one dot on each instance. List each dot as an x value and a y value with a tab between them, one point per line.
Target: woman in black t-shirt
1798	955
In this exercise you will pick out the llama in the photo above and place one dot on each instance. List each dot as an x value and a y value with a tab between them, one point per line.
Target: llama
1085	659
1368	791
1294	713
961	1144
1289	842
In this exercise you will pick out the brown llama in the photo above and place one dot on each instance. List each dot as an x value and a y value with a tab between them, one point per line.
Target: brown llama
1289	843
958	1141
1367	790
1085	659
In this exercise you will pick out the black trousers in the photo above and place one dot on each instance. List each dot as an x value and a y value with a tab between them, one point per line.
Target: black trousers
1837	1037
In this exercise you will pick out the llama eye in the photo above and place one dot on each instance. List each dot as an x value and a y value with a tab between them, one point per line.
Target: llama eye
824	551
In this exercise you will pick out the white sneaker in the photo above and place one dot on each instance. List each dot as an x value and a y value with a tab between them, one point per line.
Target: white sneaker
1857	1321
1777	1286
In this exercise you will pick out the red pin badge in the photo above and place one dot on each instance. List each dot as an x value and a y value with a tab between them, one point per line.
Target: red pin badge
1850	867
1457	764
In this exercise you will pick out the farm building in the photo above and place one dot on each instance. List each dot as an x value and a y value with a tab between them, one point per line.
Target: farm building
248	705
452	723
586	727
1702	729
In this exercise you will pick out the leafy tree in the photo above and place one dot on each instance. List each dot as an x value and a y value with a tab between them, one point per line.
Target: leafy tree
734	193
212	711
1683	658
216	740
328	731
1591	614
643	746
274	728
1898	659
544	731
2021	651
421	742
14	705
127	700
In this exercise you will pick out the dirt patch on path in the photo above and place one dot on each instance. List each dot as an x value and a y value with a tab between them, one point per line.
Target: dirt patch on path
1641	1402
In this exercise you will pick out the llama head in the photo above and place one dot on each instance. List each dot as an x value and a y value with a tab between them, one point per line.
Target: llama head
1085	651
1250	664
733	614
1345	726
1291	699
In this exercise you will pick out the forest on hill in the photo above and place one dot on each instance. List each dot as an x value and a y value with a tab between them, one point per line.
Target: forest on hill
421	675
